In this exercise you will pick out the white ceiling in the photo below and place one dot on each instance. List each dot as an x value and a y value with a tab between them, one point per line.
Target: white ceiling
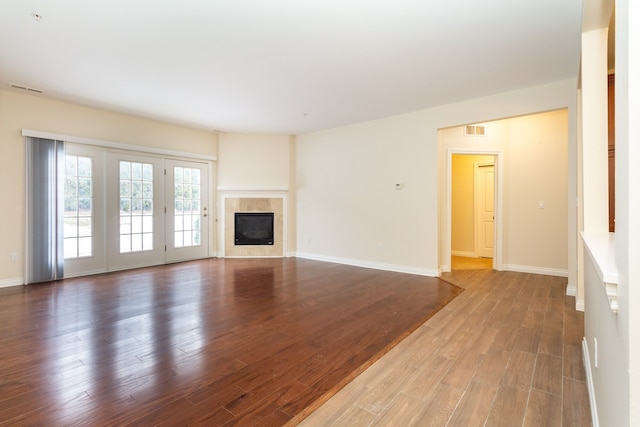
283	66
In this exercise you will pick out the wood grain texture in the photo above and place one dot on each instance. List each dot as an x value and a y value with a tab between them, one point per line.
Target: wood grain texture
506	352
211	342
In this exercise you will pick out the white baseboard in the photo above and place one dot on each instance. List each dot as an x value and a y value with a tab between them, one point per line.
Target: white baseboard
5	283
367	264
590	386
535	270
572	292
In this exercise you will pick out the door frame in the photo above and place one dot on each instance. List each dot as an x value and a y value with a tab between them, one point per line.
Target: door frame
498	208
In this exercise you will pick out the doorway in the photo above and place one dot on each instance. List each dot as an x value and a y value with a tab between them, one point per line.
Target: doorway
473	206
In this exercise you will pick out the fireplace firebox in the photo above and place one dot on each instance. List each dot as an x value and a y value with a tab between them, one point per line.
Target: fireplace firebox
254	228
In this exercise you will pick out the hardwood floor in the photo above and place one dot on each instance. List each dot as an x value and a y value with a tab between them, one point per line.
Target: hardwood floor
213	342
468	263
506	352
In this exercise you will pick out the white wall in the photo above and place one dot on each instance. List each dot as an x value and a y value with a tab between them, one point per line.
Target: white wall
628	182
616	378
19	111
348	208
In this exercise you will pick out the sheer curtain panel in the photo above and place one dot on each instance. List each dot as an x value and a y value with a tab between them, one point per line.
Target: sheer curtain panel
45	257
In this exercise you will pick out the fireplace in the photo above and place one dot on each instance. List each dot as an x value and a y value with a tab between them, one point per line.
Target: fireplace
269	204
253	228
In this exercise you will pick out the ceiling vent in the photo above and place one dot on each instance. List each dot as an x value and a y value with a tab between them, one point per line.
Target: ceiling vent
26	88
474	130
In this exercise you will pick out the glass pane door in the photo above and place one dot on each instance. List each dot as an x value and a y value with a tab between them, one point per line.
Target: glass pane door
135	211
84	244
187	210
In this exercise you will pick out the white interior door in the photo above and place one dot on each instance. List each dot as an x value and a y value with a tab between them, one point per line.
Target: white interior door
484	208
188	212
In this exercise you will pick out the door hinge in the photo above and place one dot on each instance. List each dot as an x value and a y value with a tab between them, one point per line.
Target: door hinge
165	248
165	210
165	172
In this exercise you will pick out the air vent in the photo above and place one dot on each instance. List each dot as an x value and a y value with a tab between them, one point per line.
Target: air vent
474	130
26	88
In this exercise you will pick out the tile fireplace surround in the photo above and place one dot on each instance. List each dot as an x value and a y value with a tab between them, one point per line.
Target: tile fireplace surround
253	204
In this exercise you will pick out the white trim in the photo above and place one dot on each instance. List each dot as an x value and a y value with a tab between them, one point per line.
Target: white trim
253	256
367	264
498	223
601	248
258	192
590	385
16	281
572	292
536	270
115	145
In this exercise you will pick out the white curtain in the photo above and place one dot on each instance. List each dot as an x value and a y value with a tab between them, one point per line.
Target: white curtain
45	195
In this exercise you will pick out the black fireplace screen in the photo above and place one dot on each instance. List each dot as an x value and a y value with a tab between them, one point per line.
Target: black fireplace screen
254	228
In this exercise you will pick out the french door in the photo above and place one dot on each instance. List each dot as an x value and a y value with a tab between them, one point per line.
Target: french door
84	210
124	210
135	211
187	219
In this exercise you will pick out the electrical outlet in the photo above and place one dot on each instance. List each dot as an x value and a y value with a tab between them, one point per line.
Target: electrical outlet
14	256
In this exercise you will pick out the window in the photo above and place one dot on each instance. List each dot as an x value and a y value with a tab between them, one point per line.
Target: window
136	206
187	225
78	202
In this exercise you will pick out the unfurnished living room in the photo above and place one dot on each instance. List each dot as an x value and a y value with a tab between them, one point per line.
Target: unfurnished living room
319	213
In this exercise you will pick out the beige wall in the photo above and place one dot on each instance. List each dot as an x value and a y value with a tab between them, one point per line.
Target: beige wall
349	209
534	169
20	111
462	202
261	166
254	161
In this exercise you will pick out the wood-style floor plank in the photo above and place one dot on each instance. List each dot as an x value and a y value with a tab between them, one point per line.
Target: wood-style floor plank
506	352
217	342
